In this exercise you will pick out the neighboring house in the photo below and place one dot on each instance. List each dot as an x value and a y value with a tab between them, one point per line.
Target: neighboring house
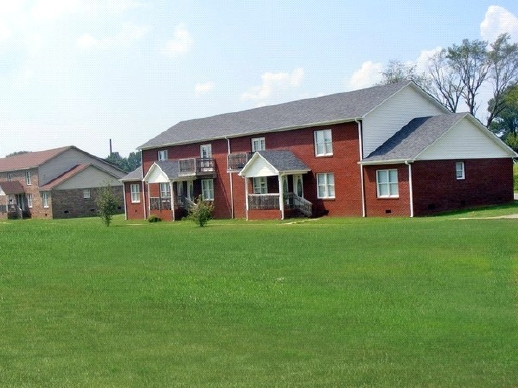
387	150
57	183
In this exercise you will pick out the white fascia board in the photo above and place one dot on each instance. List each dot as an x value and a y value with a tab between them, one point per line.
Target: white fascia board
159	172
385	162
252	162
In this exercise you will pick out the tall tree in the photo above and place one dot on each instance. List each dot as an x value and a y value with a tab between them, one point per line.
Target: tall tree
445	84
125	164
505	122
503	73
471	63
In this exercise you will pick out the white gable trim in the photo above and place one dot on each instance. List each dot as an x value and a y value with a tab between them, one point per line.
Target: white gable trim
258	166
156	175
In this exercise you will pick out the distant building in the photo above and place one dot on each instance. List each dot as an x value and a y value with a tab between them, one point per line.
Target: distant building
389	150
57	183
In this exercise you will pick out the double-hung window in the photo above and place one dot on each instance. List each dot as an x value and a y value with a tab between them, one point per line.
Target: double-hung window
459	170
135	193
165	190
29	200
326	185
86	193
323	143
260	185
162	155
28	177
387	184
45	199
258	144
207	189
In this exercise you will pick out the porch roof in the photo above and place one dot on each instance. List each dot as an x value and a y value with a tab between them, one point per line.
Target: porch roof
11	187
163	171
273	162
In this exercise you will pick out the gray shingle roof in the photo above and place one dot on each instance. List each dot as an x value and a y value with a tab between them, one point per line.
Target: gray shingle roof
284	160
170	167
338	107
414	138
135	175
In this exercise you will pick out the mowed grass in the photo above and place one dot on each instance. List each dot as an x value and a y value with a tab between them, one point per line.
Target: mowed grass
428	302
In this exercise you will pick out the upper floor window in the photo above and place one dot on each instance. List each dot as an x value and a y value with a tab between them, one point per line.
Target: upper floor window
326	185
459	170
323	143
9	176
258	144
135	193
206	151
387	184
28	177
162	155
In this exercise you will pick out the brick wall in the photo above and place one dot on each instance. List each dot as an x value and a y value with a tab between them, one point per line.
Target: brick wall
72	204
436	189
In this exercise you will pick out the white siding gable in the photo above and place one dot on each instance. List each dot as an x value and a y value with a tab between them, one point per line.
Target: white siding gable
466	140
393	114
89	178
260	167
156	175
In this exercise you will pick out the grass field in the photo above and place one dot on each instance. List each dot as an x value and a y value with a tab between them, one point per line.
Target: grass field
429	302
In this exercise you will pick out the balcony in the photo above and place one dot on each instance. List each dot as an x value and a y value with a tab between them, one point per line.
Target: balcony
236	161
197	167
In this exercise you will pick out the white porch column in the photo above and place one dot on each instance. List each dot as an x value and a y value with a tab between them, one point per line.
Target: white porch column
172	198
281	199
246	196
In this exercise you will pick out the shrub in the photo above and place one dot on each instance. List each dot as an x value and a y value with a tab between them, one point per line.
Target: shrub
201	212
153	218
107	204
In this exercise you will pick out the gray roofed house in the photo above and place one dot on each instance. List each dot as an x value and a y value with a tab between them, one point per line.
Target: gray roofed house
335	108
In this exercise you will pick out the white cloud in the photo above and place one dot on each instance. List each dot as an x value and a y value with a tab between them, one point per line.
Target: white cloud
129	34
368	75
50	10
204	88
497	21
273	82
424	58
5	32
180	44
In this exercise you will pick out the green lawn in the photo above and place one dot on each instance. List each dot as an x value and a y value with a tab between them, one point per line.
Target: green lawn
429	302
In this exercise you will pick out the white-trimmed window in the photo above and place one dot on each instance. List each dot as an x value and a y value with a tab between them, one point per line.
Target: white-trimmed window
323	143
258	144
207	189
135	192
206	151
162	155
460	172
165	190
326	185
29	200
45	199
387	183
87	193
260	185
28	177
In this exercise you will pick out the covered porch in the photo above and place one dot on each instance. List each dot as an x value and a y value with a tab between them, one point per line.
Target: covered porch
274	186
13	202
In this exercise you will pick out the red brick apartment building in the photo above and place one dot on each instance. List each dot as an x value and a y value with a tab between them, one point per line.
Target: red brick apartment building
387	150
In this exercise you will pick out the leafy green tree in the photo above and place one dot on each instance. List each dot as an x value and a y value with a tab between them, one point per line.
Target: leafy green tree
201	212
505	123
17	153
125	164
107	204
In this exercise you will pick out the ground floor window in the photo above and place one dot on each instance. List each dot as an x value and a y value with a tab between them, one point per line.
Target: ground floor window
86	193
260	185
459	170
326	185
207	189
45	198
135	193
29	200
387	183
165	190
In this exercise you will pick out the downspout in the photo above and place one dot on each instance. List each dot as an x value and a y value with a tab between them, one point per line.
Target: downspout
410	188
362	178
144	193
231	182
281	194
124	200
148	200
172	199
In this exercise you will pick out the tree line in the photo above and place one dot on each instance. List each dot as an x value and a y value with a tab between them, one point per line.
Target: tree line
461	72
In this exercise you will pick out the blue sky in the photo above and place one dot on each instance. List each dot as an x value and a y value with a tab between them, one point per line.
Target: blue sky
81	72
